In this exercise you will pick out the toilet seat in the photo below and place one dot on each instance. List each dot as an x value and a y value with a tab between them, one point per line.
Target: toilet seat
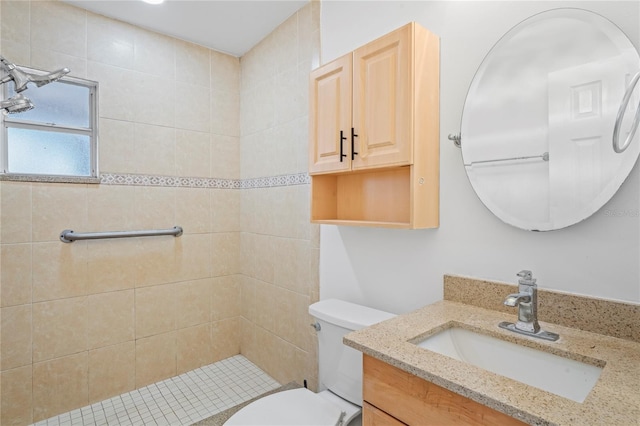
294	407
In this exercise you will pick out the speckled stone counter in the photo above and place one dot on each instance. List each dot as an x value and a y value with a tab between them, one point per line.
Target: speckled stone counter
615	399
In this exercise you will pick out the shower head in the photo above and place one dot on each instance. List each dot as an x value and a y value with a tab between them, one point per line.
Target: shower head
22	78
18	103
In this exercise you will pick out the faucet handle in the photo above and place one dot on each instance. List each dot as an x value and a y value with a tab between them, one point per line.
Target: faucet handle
526	277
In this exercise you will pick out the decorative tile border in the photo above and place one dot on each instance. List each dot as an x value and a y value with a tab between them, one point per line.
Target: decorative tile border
192	182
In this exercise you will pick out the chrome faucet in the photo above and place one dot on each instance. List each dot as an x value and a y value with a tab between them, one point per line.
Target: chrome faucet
527	302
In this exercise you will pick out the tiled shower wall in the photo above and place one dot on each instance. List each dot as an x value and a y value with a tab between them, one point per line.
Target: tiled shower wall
279	248
85	321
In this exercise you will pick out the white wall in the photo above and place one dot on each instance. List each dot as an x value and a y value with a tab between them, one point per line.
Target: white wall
400	270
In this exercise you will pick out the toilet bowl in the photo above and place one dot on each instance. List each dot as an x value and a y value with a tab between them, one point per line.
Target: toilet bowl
296	407
340	375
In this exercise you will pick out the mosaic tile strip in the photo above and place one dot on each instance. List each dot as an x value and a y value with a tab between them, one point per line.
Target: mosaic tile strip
192	182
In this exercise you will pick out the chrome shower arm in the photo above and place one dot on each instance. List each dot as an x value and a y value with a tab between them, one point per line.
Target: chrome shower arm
22	78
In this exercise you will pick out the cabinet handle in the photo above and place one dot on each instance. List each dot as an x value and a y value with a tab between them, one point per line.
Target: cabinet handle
342	139
353	149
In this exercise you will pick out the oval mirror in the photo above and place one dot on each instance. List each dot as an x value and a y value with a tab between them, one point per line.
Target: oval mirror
538	121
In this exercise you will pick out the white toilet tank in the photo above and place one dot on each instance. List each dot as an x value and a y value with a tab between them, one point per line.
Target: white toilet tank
340	367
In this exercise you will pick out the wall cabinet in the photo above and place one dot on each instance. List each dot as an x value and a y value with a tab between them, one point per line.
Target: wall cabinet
395	397
374	133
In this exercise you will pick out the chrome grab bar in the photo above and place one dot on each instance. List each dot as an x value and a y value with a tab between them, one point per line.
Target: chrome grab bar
634	126
68	236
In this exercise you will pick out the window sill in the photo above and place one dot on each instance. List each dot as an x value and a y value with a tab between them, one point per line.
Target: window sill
49	179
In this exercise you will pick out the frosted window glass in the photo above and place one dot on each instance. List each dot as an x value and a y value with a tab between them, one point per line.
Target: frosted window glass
58	103
52	153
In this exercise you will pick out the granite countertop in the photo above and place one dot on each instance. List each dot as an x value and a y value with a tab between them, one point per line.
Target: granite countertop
614	400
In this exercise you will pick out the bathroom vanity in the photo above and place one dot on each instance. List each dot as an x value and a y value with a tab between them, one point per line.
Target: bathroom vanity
403	398
405	383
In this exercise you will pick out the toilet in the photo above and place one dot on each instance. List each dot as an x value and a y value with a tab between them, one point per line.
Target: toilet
340	375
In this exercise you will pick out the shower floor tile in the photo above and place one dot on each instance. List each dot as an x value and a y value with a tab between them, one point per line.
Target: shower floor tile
178	401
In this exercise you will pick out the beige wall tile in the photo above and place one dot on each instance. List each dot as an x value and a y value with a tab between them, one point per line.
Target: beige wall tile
111	371
117	151
156	260
225	71
283	220
59	328
109	41
193	210
290	104
225	108
111	318
225	156
15	22
60	385
155	309
155	358
193	112
266	305
193	257
116	88
17	403
193	153
294	274
154	207
57	207
110	208
16	337
112	264
192	63
155	145
59	270
154	54
260	253
248	297
225	210
69	24
16	212
193	348
293	319
247	246
303	228
225	248
225	338
308	36
20	53
153	100
193	300
15	274
286	42
226	297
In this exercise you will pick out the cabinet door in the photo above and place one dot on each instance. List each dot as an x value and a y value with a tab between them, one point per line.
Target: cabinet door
329	115
382	100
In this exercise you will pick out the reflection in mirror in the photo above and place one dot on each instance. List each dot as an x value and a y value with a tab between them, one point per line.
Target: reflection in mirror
538	120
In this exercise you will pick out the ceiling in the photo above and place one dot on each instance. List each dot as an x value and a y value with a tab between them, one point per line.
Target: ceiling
230	26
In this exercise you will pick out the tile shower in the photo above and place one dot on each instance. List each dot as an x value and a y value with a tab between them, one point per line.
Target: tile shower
83	322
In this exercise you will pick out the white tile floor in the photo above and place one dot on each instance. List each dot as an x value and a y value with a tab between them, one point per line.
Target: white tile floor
178	401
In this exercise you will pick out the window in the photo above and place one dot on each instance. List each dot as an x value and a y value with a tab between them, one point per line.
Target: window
58	138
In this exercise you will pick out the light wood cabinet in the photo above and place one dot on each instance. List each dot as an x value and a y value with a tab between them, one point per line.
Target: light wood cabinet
374	133
391	394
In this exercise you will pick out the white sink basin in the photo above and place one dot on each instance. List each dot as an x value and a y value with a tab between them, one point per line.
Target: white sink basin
562	376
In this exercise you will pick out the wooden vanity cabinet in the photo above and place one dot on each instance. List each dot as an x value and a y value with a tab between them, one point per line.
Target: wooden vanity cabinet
395	397
374	133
